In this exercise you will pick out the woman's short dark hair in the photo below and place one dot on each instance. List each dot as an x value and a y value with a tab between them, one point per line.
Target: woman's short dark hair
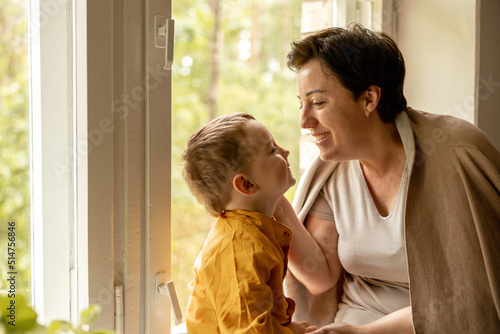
359	58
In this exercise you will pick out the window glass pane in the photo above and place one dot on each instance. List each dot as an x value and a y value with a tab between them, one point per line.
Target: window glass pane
230	56
14	148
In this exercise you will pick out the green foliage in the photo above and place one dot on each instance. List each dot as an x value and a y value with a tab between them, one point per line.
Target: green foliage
261	86
87	318
17	317
14	139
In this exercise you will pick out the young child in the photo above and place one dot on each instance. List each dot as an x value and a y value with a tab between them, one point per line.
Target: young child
236	169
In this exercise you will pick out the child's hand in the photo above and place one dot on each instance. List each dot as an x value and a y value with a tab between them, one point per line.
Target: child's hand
301	327
291	307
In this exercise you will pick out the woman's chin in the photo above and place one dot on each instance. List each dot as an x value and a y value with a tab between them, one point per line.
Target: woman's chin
326	155
330	155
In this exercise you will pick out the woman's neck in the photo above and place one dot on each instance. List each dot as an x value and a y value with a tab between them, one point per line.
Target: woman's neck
385	153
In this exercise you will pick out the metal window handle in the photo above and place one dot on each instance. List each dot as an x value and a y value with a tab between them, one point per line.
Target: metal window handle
164	38
167	290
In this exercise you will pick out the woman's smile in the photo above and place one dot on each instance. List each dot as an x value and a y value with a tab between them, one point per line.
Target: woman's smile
320	137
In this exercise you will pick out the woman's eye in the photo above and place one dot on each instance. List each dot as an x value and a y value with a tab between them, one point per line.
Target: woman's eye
275	148
317	104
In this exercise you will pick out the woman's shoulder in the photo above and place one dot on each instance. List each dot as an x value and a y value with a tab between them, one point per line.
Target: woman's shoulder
437	129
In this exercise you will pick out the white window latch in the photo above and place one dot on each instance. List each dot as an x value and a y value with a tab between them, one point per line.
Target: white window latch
164	38
167	290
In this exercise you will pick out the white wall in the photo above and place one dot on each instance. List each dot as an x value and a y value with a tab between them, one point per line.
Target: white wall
437	39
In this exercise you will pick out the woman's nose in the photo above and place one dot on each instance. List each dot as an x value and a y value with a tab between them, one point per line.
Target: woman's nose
306	118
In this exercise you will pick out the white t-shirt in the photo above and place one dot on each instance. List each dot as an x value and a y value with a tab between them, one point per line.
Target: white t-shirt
371	248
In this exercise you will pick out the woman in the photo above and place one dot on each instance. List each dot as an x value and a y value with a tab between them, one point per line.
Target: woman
406	203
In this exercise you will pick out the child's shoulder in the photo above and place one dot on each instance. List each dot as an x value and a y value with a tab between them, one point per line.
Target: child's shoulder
228	233
236	229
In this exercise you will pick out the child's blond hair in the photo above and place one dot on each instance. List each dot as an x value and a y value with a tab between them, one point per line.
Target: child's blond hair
214	155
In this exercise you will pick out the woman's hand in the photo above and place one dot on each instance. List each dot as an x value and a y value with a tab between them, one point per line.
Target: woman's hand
337	328
398	322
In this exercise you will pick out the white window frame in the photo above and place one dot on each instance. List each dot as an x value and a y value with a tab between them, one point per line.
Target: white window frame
100	171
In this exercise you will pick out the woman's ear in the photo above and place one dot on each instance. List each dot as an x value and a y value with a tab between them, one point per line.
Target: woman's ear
243	185
372	98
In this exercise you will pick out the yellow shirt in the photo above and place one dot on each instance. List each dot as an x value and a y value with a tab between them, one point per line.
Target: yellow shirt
238	283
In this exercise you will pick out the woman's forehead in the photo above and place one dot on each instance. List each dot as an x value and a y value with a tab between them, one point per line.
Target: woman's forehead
313	78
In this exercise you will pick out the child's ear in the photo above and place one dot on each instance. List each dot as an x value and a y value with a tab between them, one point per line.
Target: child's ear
243	185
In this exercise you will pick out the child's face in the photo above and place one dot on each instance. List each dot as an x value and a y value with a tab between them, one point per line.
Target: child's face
270	169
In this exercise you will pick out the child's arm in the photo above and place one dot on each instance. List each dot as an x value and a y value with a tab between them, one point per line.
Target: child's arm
313	257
